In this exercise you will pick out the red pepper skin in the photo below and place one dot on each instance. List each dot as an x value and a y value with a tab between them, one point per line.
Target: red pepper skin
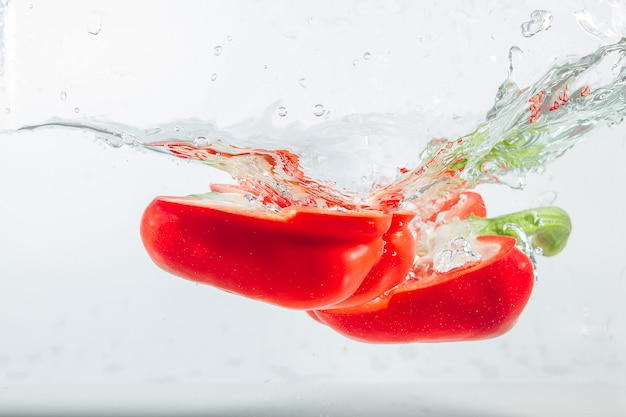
478	302
300	258
394	264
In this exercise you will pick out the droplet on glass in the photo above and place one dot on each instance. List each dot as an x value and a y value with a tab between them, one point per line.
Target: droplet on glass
217	51
540	20
319	110
367	56
94	24
213	77
63	95
282	111
302	82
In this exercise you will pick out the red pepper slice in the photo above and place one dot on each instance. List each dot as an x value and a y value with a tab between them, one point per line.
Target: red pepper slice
480	301
300	257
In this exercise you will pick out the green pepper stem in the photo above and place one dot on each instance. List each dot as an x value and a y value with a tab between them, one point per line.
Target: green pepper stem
548	228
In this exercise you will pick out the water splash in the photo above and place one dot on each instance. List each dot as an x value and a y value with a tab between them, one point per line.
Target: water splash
605	21
525	129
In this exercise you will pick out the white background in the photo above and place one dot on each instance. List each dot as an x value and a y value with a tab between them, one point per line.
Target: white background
82	304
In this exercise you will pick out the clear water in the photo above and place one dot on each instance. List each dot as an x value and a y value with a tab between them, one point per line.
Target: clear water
74	272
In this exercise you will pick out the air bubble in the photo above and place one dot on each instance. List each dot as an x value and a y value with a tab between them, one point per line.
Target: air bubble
367	56
76	110
458	254
460	244
540	20
217	51
200	141
282	111
319	110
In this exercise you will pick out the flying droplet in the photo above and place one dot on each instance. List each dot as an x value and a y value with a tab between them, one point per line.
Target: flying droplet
319	110
94	24
217	51
282	111
213	77
302	82
367	56
63	95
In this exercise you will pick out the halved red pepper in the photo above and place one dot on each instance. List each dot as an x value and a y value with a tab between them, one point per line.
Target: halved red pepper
480	301
299	257
357	269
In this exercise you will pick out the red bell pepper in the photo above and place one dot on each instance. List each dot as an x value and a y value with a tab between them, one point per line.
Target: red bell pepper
300	257
369	275
481	301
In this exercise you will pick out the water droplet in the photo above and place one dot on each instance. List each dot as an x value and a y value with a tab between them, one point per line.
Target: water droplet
63	95
319	110
282	111
94	24
217	51
76	109
213	77
367	56
302	82
540	20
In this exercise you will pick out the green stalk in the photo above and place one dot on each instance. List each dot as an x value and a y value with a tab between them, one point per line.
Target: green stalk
547	228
